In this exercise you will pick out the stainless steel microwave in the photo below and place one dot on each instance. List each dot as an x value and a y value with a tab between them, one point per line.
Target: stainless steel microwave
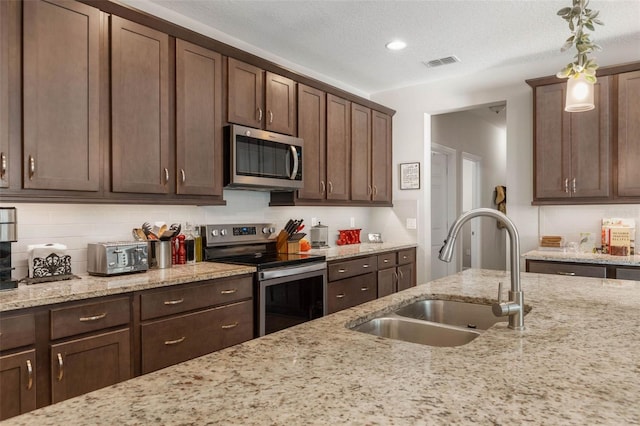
261	160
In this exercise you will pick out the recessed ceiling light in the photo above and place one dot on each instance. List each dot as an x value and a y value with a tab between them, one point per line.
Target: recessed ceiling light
396	45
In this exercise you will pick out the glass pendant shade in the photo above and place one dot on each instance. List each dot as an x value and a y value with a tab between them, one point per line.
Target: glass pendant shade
579	95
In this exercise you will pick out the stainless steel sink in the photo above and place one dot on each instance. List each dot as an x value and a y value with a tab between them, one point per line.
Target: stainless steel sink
416	331
434	323
460	314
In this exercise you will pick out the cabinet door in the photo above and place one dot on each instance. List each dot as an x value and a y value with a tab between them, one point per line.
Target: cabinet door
590	147
361	189
386	282
84	365
18	383
4	99
198	120
552	145
245	94
628	178
139	96
60	95
280	104
312	106
406	276
381	156
350	292
338	148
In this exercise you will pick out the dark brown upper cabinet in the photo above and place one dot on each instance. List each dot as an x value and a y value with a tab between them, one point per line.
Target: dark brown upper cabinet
140	109
312	108
198	120
628	131
381	156
4	99
60	96
571	150
361	188
338	148
260	99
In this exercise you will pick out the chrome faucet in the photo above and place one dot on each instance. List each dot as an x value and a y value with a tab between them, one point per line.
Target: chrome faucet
514	308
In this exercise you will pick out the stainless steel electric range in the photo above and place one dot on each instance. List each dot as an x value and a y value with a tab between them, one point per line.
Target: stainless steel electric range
289	289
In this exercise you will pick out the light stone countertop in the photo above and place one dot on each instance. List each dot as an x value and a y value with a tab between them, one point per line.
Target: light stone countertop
594	258
576	363
87	286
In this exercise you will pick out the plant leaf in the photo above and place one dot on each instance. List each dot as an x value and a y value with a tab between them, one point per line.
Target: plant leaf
564	11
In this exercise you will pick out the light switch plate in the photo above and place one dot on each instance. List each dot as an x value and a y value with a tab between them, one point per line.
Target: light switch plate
412	223
353	222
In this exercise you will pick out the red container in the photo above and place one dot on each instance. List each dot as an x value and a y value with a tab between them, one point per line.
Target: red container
348	236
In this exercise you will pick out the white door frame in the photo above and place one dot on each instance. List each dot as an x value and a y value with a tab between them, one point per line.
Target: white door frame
476	253
451	207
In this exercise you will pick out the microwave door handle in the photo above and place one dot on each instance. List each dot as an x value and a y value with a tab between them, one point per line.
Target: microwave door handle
294	153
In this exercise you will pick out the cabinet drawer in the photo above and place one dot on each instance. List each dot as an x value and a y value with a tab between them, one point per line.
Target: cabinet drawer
567	269
17	331
78	319
407	256
170	341
386	260
350	268
176	300
628	274
351	292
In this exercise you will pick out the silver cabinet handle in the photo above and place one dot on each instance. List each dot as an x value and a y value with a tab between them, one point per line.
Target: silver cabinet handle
270	117
166	175
342	271
228	326
365	266
364	288
395	276
184	176
566	185
573	185
29	375
259	114
340	296
60	367
174	342
93	318
375	190
568	274
294	152
323	186
400	274
386	261
32	167
404	257
369	190
173	302
3	165
231	291
330	187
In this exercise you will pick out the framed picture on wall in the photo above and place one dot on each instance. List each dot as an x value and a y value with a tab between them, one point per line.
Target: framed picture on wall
410	176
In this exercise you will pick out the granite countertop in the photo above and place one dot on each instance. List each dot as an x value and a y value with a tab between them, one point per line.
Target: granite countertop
87	286
577	362
572	256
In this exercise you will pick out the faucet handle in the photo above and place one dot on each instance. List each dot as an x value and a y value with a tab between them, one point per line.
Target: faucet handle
499	291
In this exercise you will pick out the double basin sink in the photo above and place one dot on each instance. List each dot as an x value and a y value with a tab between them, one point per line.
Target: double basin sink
434	322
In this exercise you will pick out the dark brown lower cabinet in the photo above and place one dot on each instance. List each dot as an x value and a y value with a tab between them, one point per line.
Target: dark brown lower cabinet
17	383
169	341
387	282
86	364
350	292
406	276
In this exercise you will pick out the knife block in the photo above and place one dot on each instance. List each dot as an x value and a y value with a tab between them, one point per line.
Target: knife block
283	245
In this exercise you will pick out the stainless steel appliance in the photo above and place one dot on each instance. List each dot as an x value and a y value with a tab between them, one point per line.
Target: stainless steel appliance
117	258
261	160
8	234
319	236
289	289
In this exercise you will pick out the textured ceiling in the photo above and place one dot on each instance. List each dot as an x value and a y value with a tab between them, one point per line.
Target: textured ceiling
344	40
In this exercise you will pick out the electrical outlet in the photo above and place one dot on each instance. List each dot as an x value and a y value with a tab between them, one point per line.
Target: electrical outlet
412	223
314	221
353	222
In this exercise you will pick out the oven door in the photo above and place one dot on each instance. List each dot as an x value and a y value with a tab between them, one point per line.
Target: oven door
290	296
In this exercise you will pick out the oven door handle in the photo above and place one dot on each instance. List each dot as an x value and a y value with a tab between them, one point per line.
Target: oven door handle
290	271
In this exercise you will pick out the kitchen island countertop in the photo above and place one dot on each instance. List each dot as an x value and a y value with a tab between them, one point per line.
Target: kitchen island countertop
363	249
577	362
592	258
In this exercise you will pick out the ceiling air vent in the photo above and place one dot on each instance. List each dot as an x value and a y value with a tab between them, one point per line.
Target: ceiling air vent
442	61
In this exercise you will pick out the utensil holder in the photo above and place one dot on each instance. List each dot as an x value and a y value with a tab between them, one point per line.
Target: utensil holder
283	245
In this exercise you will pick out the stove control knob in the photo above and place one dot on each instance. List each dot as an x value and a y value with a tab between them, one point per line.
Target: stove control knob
223	232
267	230
214	233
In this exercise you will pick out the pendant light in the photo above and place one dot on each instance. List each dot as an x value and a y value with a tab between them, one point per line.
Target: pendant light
582	71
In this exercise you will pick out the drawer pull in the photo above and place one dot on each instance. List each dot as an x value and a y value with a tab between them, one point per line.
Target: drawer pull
568	274
174	342
386	261
60	367
29	375
401	274
230	291
339	296
173	302
228	326
366	265
364	288
342	271
93	318
404	257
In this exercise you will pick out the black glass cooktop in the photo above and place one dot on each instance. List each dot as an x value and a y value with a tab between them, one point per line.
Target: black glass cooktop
272	260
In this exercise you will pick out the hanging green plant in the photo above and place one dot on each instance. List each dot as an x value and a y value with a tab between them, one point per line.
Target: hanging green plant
580	19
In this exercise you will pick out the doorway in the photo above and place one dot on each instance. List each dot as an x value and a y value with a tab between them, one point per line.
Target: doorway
443	193
471	166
